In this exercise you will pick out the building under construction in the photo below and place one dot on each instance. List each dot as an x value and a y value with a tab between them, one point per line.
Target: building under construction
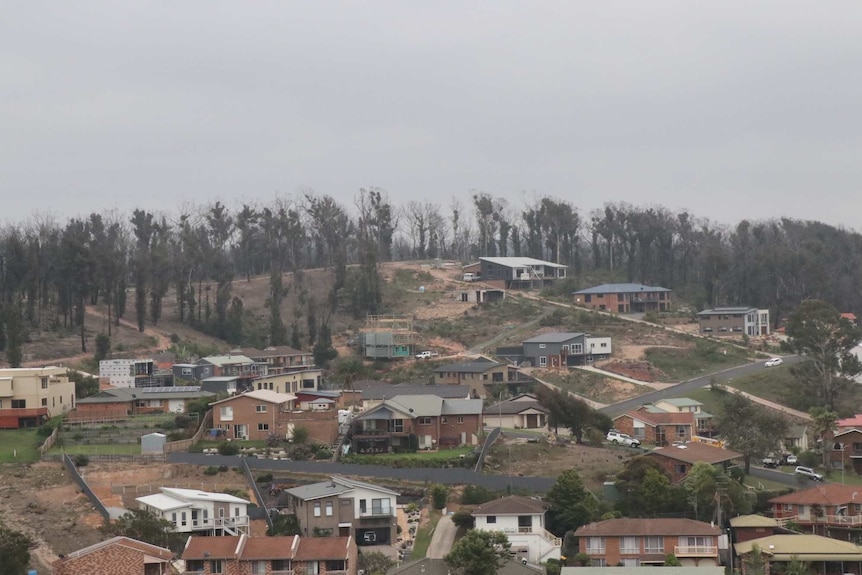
387	336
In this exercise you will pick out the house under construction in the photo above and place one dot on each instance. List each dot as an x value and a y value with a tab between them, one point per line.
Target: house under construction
387	336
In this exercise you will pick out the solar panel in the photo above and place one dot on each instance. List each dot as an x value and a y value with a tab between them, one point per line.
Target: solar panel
178	389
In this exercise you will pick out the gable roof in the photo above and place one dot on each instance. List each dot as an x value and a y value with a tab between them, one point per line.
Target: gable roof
311	548
222	547
680	401
147	548
654	416
279	547
753	521
480	365
626	526
128	394
514	405
620	288
520	262
336	485
855	421
805	547
390	391
696	452
511	505
554	337
266	395
824	494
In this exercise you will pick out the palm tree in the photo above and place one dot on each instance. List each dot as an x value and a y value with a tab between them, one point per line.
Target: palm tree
824	423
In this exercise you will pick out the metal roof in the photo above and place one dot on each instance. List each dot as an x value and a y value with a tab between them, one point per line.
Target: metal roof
474	366
389	391
554	337
620	288
727	310
518	262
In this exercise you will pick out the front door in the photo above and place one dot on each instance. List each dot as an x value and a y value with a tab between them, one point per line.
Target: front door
240	432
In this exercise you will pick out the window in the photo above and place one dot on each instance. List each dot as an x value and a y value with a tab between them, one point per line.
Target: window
596	545
317	508
542	346
263	427
281	565
424	421
380	507
604	345
577	348
621	297
654	545
329	508
44	402
44	383
226	413
787	507
216	566
183	521
460	419
187	371
588	298
174	518
19	403
491	519
260	408
543	361
444	420
395	426
680	468
258	567
629	546
566	348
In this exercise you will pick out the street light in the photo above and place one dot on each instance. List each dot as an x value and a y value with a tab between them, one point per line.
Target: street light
842	463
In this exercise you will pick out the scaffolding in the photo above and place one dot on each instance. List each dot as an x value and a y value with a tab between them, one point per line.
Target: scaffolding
387	336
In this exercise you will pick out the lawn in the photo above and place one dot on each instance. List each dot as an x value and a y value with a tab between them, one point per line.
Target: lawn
423	536
705	357
778	384
439	455
19	445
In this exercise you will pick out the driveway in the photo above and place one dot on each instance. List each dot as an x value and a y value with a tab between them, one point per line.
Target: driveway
443	538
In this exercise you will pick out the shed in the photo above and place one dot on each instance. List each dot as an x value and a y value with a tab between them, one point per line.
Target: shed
153	443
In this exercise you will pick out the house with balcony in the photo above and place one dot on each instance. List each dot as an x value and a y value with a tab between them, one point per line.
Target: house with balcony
241	367
280	555
704	421
280	358
740	320
677	460
821	509
190	510
522	519
291	381
819	554
625	298
519	272
654	425
410	422
375	394
561	349
344	507
647	542
117	556
29	396
524	411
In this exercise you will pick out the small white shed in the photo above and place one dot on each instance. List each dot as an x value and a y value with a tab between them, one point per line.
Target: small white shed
153	443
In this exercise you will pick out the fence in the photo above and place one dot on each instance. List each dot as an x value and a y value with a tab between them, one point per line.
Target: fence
108	457
49	442
489	441
184	444
73	471
260	500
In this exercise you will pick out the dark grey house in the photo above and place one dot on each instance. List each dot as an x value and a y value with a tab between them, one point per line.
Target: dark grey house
560	349
519	272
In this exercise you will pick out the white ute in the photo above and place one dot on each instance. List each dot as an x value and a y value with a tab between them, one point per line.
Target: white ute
426	354
618	438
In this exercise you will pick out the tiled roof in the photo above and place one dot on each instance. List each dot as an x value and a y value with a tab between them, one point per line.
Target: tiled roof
696	452
153	550
211	547
620	288
511	505
653	418
825	494
656	526
282	547
319	548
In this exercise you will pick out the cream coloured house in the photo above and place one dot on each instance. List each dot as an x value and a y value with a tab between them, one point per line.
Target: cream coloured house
31	395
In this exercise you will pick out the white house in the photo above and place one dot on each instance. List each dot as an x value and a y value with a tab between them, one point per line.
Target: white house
522	519
191	510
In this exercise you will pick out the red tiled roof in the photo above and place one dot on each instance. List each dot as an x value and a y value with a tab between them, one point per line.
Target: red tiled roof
152	550
268	548
848	315
317	548
855	421
664	526
652	419
695	452
514	505
826	494
199	547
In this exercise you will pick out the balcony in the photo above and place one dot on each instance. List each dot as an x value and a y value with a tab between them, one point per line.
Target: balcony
836	520
696	551
219	522
377	512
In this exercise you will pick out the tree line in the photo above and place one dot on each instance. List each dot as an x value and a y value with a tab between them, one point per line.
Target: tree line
50	269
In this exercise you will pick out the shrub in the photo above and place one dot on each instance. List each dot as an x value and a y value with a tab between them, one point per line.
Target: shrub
228	448
211	470
264	478
439	495
300	434
476	495
182	421
222	468
463	519
81	460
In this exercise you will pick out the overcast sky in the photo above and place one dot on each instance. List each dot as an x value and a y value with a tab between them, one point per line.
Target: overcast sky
729	109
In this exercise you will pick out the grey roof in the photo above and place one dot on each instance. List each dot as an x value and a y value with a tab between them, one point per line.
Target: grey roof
221	378
554	337
480	365
520	262
319	393
462	407
423	406
335	486
440	567
727	310
221	360
620	288
389	391
681	401
128	394
510	407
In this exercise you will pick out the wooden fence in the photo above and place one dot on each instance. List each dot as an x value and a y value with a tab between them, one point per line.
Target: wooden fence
49	442
184	444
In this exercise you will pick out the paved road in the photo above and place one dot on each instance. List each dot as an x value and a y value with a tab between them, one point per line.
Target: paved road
455	476
682	388
443	538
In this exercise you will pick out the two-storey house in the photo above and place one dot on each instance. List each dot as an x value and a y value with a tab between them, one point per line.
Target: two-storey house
656	426
342	507
29	396
292	381
519	272
522	519
190	510
561	349
126	372
704	421
625	298
645	542
846	450
819	509
408	422
677	460
117	556
280	358
374	395
738	320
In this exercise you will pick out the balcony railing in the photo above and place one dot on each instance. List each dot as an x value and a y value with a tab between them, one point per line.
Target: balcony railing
848	520
695	551
595	550
377	512
218	522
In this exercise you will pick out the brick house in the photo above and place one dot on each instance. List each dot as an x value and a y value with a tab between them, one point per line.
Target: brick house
645	542
407	422
625	298
117	556
255	415
344	507
824	506
677	460
120	403
281	555
704	421
656	426
29	396
475	373
847	450
748	527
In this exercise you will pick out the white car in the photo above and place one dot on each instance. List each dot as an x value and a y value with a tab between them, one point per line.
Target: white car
618	438
426	354
773	362
809	473
792	459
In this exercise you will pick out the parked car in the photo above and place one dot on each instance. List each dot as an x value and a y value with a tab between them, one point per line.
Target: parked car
426	354
791	459
770	462
809	473
618	438
773	362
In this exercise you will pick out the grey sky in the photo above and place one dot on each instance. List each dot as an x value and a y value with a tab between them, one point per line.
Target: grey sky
729	109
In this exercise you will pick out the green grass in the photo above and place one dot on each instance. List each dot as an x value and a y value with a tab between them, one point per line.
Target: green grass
778	384
423	536
98	449
710	399
590	385
442	454
19	445
705	357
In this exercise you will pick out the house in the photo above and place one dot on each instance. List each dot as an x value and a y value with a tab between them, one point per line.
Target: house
280	555
387	337
824	506
258	414
625	298
122	402
221	385
742	320
374	396
797	438
279	359
480	296
242	367
317	400
847	450
854	422
440	567
291	381
519	272
408	422
474	373
678	460
644	542
851	317
29	396
190	510
126	372
117	556
344	507
821	554
523	411
522	519
748	527
654	425
704	421
560	349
